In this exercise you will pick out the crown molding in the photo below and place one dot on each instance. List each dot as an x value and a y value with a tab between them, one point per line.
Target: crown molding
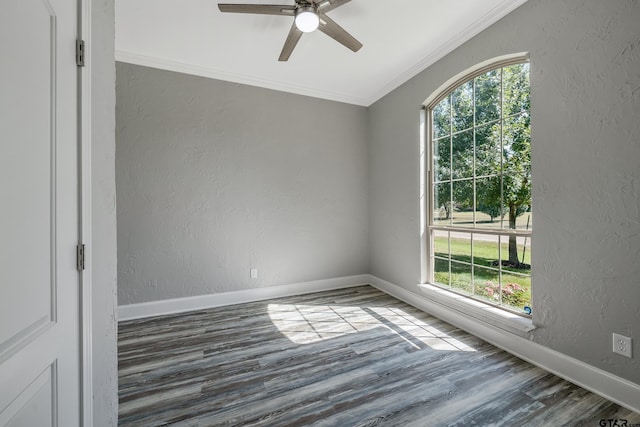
482	23
181	67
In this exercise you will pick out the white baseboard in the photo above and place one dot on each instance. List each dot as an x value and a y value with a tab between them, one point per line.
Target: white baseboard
598	381
179	305
605	384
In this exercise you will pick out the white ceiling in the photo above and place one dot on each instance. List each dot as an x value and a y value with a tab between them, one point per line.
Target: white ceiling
400	37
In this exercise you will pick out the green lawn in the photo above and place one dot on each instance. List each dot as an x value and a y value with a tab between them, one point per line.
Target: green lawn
465	218
485	254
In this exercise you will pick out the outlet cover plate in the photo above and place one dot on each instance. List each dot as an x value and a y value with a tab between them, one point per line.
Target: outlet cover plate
253	273
622	345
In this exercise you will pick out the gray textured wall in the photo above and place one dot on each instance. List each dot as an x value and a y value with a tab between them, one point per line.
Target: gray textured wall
102	251
215	178
585	108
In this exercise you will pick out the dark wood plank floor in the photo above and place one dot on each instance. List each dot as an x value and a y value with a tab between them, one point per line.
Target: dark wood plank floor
352	357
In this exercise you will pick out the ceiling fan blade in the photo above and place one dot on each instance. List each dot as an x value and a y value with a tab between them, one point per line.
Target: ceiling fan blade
325	6
339	34
290	43
263	9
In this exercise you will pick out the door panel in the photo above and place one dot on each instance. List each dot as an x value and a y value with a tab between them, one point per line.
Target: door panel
25	217
39	304
34	406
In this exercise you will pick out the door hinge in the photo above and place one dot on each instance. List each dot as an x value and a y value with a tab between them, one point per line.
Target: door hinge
80	53
80	257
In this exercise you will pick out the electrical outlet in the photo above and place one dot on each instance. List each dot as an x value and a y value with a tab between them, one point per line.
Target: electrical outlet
622	345
254	273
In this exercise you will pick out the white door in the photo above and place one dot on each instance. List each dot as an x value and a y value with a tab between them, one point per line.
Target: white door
39	304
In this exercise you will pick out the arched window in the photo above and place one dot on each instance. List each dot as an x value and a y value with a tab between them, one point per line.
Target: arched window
478	178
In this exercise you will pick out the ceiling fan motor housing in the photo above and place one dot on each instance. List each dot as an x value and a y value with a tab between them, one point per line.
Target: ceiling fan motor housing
307	19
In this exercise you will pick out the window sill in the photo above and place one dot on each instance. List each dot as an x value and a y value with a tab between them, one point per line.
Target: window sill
486	313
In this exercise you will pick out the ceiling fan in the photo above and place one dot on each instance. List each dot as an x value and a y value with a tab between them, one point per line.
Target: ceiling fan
309	15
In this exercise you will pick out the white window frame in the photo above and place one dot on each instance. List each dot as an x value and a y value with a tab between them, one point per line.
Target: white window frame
442	295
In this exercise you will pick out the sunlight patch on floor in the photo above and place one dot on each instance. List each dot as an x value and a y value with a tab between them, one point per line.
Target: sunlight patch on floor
305	324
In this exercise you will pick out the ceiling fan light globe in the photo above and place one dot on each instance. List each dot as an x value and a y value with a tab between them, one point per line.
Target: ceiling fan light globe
307	21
